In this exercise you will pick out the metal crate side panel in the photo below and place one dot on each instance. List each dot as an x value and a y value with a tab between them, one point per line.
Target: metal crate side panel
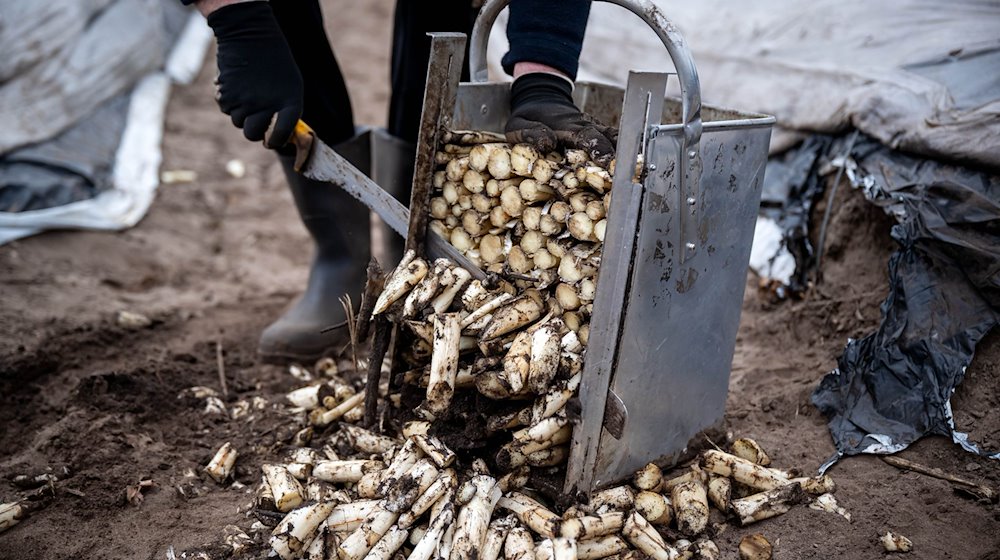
683	318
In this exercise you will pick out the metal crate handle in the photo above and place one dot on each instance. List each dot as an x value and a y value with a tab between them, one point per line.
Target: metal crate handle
687	73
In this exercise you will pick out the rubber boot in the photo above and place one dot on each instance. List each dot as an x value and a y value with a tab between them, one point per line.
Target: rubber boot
340	229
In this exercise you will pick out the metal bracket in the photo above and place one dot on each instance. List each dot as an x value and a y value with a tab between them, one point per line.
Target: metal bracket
641	111
444	71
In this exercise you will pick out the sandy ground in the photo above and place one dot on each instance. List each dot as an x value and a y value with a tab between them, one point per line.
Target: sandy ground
217	259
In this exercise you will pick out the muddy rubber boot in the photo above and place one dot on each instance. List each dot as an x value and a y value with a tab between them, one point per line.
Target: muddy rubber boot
339	226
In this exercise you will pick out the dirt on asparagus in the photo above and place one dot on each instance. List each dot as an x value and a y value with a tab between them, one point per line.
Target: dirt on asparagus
102	406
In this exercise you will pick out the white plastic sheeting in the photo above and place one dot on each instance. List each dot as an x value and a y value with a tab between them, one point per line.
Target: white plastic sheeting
919	75
137	160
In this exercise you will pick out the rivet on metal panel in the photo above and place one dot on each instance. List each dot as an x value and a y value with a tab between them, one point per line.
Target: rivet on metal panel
652	167
690	246
484	109
691	201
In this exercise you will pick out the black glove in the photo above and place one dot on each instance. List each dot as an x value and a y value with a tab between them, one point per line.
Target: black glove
258	78
542	114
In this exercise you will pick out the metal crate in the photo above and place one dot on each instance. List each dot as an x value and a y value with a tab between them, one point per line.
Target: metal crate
670	286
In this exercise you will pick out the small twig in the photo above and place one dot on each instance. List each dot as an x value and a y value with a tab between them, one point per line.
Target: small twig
339	325
352	329
977	489
222	368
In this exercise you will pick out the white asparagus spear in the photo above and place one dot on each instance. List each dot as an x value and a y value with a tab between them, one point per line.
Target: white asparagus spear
617	498
828	503
340	410
601	547
443	301
11	514
555	399
521	312
435	449
221	465
415	427
541	431
444	363
649	478
517	362
388	544
655	507
447	482
407	274
695	473
746	448
519	545
496	533
816	485
401	495
485	308
310	396
690	502
533	514
474	518
564	549
348	517
544	362
767	504
444	547
361	541
742	471
755	547
368	485
296	529
591	526
402	461
425	290
471	137
514	480
720	491
322	547
544	550
424	549
345	471
893	542
368	442
285	490
643	536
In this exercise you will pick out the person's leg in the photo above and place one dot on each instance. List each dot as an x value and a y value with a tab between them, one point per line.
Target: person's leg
411	46
337	223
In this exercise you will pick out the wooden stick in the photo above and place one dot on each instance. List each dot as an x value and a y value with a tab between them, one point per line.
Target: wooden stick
977	489
373	287
222	368
380	344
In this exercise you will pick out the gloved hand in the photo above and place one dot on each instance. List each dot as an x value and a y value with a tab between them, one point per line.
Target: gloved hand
542	114
258	78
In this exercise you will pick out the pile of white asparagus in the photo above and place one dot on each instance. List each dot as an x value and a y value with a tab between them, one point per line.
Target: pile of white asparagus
537	223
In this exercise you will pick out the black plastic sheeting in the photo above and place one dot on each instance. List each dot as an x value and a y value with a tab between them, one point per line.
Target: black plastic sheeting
74	166
792	185
894	386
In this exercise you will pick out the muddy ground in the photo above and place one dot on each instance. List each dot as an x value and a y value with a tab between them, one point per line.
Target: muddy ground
215	260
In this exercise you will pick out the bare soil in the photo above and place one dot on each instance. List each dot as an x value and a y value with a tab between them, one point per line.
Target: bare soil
103	406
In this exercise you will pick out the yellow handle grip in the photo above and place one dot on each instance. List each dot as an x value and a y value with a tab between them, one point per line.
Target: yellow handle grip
303	139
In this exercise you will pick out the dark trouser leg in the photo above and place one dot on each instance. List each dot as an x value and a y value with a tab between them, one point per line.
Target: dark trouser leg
414	19
337	223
